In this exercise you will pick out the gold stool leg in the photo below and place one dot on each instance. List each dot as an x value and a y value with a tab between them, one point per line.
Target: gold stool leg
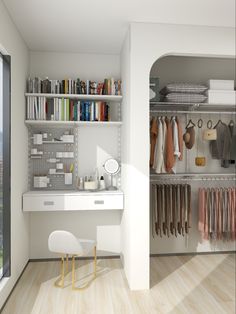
73	272
94	272
60	282
95	262
67	263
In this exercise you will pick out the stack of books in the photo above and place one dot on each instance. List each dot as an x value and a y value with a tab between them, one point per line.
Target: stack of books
77	86
65	109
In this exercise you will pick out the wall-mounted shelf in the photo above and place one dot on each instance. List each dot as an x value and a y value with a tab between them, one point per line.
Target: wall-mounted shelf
193	176
72	200
108	98
192	108
48	123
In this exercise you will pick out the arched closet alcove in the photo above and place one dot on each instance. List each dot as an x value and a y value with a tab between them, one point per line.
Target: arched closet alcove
144	44
195	70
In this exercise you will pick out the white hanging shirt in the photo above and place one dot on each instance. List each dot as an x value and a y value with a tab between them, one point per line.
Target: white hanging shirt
163	166
175	142
158	156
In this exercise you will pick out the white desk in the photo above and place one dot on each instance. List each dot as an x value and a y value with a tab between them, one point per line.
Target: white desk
72	200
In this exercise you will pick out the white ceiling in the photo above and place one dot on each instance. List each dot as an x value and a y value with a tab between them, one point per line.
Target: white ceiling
99	26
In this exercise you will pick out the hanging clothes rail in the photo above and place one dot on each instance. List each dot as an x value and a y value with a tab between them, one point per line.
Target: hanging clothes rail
202	108
171	209
217	212
193	177
157	111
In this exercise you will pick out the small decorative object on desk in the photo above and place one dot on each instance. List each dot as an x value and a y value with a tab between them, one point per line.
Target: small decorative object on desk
68	178
102	185
81	183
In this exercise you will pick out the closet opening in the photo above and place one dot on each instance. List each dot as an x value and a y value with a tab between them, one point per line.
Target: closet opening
192	161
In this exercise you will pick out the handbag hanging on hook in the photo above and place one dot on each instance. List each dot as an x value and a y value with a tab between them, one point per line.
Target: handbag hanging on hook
209	134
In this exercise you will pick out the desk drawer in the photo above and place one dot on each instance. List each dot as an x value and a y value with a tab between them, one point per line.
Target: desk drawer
34	202
92	202
43	203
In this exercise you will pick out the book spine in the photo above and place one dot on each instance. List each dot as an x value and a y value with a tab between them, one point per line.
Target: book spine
67	109
92	111
64	109
87	87
78	110
71	110
59	109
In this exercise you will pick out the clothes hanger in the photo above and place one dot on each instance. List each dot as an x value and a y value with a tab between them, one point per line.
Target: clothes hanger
219	122
190	122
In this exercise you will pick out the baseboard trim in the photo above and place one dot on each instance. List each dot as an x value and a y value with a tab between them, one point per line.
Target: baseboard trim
192	253
54	259
14	287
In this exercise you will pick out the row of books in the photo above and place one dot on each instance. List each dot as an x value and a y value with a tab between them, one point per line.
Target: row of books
65	109
70	86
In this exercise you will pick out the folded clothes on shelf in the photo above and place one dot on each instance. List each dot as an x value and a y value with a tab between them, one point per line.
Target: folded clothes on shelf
221	84
223	97
185	98
187	88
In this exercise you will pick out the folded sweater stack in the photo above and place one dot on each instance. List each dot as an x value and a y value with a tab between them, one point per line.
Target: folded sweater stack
184	93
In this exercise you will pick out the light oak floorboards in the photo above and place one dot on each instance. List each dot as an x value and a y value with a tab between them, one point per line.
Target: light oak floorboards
179	284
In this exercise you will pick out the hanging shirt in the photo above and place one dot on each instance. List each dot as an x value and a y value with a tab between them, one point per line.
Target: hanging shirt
232	130
170	159
221	147
158	155
153	138
180	137
175	143
164	128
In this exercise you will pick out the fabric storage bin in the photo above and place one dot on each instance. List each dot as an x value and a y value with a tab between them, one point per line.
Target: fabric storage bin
221	84
224	97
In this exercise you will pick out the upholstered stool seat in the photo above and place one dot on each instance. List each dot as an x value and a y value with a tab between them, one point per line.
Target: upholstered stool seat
66	244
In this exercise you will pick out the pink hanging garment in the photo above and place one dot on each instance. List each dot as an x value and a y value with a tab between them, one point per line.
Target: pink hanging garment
233	213
201	210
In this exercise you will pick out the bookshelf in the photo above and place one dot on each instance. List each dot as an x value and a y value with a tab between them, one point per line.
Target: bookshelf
73	109
108	98
72	123
87	200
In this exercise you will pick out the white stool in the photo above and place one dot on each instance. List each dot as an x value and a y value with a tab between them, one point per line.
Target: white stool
66	244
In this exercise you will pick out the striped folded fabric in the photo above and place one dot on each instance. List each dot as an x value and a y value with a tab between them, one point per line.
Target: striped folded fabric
183	88
185	98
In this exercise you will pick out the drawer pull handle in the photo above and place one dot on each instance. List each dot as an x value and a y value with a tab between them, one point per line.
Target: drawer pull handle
98	202
48	203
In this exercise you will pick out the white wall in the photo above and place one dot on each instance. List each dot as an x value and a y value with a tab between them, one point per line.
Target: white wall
95	145
73	65
15	46
148	43
126	178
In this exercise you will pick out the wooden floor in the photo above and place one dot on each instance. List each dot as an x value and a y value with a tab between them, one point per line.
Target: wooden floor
184	284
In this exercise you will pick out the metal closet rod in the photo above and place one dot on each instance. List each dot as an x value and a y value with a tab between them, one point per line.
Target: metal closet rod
192	174
190	112
194	179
